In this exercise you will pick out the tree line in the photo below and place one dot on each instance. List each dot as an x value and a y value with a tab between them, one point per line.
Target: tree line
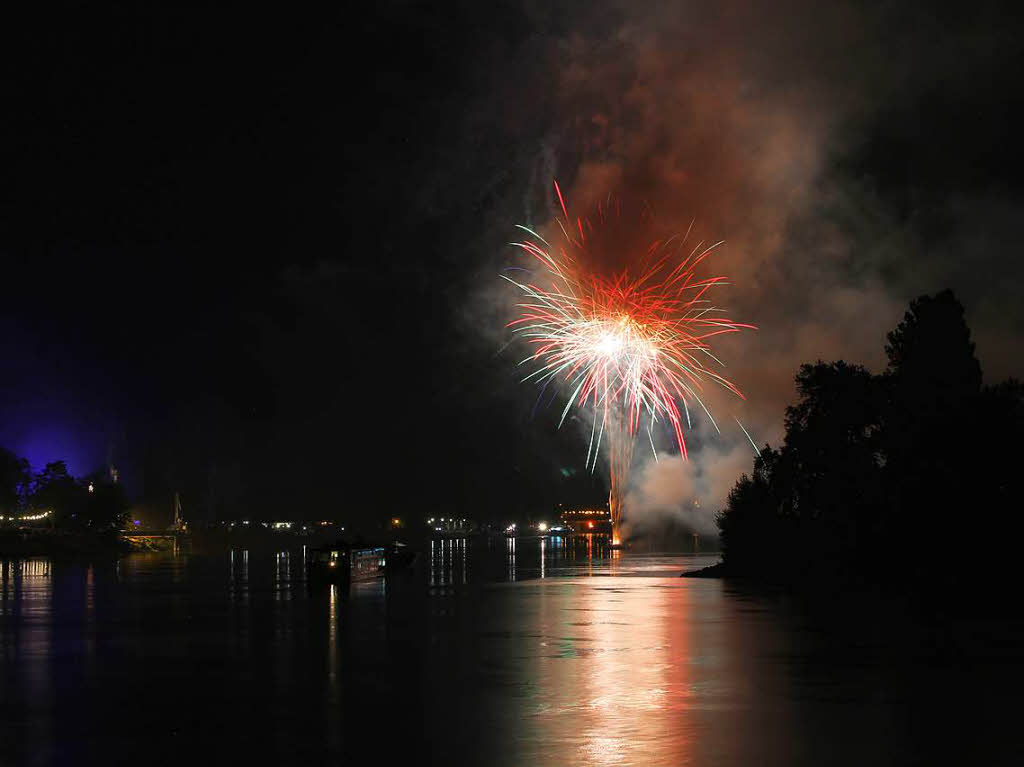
88	504
904	475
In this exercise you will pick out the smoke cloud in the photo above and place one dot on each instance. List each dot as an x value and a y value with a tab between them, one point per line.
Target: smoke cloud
747	120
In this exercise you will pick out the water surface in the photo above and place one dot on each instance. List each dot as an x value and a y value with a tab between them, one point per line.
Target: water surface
517	653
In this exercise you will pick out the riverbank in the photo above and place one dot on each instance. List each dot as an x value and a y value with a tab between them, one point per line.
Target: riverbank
717	570
64	544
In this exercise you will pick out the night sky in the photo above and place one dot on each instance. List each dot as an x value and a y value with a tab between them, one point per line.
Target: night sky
253	255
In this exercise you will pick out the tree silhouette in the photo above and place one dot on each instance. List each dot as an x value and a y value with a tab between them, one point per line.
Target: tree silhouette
14	481
753	528
831	452
883	473
54	489
935	452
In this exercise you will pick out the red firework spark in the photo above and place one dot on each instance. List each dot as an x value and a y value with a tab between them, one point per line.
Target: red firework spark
633	346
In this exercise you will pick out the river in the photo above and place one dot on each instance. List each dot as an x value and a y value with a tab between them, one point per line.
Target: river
513	653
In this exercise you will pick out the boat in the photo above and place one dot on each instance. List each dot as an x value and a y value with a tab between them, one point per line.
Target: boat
343	562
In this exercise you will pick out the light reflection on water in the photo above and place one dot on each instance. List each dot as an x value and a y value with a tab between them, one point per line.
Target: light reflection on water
619	714
511	559
513	651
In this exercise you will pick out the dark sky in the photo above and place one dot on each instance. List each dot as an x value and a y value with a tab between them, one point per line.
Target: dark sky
254	254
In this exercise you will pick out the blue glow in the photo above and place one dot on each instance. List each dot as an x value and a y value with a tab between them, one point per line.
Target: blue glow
43	443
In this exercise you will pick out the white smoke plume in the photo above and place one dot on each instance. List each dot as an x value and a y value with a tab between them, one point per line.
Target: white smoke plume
739	117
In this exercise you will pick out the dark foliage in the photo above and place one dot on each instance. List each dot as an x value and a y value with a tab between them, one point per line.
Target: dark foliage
54	489
883	477
14	480
92	504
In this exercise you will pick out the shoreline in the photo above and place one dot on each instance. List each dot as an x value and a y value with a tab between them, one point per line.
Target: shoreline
65	545
717	570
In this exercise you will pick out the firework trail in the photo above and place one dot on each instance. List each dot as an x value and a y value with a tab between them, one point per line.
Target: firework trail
632	348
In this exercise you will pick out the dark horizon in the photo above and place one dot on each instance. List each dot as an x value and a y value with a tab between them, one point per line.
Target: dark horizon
250	259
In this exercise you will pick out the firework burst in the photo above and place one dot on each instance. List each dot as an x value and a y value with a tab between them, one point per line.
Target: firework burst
633	348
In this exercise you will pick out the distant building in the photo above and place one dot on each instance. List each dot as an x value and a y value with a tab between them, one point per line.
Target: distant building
450	526
587	521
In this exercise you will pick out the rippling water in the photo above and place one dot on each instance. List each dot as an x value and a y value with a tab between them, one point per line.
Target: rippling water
518	653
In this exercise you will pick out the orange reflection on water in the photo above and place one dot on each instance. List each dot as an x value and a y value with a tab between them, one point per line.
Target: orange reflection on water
626	694
26	587
617	688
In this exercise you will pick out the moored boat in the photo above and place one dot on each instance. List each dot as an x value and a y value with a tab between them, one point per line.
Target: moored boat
343	563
